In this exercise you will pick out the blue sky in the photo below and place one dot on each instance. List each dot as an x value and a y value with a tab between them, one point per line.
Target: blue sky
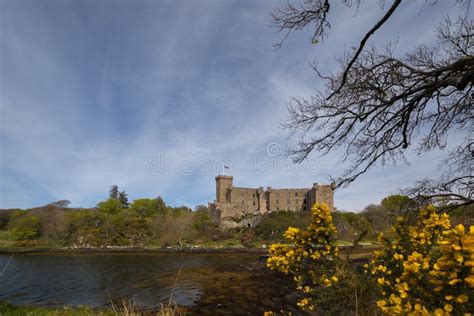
156	96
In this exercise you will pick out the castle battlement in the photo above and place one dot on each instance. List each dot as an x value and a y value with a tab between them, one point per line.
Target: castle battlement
237	202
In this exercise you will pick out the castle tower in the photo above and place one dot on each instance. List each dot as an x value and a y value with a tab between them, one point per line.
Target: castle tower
320	194
262	200
223	188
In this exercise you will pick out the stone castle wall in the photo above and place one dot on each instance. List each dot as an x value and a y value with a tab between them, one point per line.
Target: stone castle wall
234	203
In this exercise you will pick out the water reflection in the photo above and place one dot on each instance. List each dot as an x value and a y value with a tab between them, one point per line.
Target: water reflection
98	279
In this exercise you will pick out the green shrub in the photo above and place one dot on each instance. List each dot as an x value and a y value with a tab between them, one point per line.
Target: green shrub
148	207
5	216
202	220
24	226
351	226
110	206
273	224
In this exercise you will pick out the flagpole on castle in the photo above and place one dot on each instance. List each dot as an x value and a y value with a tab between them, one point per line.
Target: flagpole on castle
223	169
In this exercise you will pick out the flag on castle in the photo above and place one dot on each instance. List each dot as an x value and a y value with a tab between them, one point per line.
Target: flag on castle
225	168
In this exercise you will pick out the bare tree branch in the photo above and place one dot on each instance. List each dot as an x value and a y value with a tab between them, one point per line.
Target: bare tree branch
379	105
362	44
293	18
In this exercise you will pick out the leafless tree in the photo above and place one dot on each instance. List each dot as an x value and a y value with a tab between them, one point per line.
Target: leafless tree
59	204
378	105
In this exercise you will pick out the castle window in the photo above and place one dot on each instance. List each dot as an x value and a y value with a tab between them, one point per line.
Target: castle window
243	202
296	193
278	201
253	202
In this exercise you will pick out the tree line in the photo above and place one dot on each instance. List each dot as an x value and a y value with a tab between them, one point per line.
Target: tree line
150	222
113	222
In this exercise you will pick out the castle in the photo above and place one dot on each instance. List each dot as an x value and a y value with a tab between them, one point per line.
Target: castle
236	206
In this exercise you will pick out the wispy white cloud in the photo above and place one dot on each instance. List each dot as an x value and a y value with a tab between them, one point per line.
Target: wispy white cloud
92	94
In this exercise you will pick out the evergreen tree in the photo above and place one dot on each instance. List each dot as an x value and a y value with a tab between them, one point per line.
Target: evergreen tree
114	192
123	198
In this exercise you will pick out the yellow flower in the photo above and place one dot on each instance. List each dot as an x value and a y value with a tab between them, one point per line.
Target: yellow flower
381	303
439	312
470	280
462	299
327	282
454	281
395	299
457	247
398	256
291	232
459	229
411	267
302	303
382	268
448	307
426	265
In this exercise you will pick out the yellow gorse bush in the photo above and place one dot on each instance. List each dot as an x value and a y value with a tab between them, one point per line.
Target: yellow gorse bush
310	256
427	268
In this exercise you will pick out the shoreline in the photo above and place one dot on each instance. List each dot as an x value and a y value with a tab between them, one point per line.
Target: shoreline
135	250
362	250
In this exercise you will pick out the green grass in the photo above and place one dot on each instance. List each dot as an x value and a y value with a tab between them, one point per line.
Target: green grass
6	240
126	309
5	236
14	310
9	243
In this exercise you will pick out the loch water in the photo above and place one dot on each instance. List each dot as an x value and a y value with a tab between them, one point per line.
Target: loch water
205	283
